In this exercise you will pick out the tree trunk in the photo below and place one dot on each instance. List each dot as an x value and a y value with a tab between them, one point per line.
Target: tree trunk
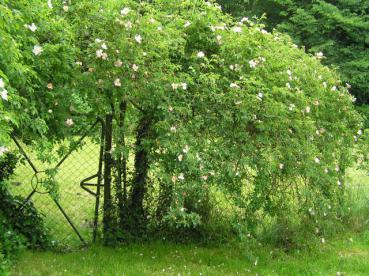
122	169
108	164
137	212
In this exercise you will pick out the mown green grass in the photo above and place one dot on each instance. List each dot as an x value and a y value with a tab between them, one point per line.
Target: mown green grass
348	254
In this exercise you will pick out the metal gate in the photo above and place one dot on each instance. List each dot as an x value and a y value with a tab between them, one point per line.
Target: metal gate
72	214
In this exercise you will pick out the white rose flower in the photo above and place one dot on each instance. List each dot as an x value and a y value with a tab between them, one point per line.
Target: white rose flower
2	84
118	63
4	95
104	56
180	157
187	24
37	50
245	19
128	25
125	11
253	63
175	86
181	176
69	122
3	150
135	67
117	83
237	29
184	85
99	53
200	54
319	55
32	27
266	32
138	39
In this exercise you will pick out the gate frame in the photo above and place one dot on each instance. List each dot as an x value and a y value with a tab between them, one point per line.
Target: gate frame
83	184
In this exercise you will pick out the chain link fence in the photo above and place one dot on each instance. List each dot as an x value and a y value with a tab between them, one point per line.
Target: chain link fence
70	218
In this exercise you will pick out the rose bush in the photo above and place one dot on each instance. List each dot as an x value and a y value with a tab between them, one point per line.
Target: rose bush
208	108
215	105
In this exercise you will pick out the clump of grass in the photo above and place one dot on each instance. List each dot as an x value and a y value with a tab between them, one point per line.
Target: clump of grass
356	207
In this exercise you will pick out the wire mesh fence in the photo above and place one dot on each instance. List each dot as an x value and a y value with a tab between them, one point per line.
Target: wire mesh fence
70	216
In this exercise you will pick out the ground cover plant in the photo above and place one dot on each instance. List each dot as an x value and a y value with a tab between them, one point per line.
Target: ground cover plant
214	129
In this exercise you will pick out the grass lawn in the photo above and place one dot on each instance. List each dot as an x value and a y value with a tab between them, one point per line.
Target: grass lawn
348	255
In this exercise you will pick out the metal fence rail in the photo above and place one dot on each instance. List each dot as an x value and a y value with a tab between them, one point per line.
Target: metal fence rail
71	217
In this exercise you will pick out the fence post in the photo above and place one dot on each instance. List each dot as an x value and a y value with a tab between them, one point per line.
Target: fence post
108	164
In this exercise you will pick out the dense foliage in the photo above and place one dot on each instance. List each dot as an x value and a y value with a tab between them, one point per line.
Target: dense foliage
36	62
209	108
19	228
215	105
339	29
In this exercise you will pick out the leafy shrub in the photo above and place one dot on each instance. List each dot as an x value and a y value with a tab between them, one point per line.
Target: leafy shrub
337	28
364	111
215	103
212	103
4	264
18	228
